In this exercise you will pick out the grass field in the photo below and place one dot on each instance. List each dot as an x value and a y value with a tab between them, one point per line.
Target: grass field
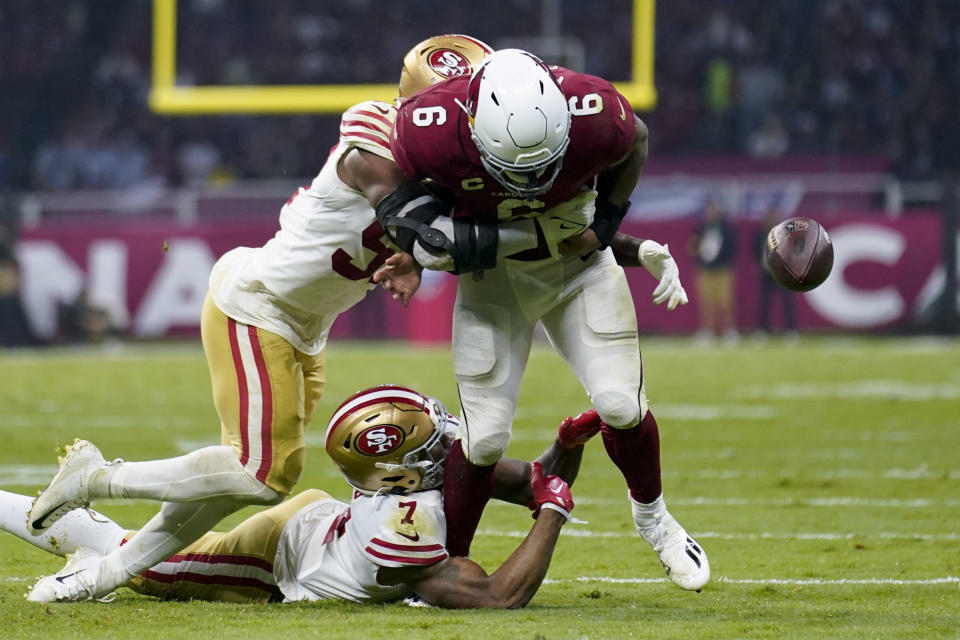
822	478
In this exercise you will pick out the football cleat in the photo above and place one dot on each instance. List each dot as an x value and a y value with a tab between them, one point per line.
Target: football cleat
682	557
76	581
68	489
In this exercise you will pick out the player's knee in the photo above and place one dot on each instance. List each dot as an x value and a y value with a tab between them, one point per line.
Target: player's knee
253	491
618	409
487	450
269	497
242	485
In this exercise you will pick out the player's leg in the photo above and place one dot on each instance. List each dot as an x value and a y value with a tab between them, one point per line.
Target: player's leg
595	331
259	394
233	566
263	394
314	374
174	527
491	344
78	528
707	303
726	303
261	398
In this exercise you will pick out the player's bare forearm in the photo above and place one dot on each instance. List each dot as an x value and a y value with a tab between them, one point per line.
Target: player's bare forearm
511	477
400	275
374	176
460	583
626	249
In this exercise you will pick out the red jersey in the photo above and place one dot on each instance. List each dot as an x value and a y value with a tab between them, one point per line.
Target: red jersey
431	139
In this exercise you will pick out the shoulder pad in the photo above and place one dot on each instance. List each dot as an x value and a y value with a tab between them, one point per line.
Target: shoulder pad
367	126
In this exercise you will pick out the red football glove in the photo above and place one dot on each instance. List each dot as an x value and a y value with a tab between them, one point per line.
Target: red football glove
549	492
576	431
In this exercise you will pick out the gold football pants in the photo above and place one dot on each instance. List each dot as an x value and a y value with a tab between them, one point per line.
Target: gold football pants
233	566
265	392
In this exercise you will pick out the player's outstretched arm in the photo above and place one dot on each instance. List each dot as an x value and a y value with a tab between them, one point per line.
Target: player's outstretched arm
460	583
511	477
614	187
655	258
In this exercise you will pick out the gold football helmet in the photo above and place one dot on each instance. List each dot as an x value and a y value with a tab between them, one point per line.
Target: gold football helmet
439	58
389	437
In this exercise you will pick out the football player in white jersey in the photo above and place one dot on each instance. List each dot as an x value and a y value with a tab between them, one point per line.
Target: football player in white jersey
390	443
264	326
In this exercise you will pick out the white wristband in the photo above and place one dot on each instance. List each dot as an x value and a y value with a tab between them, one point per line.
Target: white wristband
557	508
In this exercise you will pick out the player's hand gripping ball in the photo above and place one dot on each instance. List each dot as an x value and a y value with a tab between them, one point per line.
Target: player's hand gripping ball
799	254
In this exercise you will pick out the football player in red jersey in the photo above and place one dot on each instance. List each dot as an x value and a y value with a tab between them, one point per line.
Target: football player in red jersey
518	141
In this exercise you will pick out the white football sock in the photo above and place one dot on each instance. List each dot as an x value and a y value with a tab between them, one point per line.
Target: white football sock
176	525
211	472
78	528
647	515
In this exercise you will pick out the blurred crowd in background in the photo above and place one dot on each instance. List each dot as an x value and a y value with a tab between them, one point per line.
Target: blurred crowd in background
761	77
739	82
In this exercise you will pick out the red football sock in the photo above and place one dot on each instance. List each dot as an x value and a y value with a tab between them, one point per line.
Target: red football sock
636	452
466	490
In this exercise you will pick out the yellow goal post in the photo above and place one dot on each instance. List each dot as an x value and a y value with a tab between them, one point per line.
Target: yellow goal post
167	98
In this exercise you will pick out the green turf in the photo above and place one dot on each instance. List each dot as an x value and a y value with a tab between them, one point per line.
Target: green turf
823	479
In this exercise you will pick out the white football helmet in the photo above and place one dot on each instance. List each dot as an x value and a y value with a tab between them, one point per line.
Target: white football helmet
519	120
438	58
389	437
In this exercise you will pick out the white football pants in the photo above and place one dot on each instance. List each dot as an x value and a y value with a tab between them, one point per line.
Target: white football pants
587	311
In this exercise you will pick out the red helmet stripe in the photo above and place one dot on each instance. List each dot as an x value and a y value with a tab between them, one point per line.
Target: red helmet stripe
373	396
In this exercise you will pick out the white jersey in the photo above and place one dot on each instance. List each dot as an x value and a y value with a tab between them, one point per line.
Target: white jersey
329	550
320	262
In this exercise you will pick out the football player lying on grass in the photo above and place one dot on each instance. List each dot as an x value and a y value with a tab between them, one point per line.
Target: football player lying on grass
390	442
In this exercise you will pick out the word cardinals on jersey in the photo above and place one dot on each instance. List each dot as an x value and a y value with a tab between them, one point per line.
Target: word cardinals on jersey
431	139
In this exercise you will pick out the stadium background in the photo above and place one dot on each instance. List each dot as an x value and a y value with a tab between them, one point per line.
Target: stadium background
841	110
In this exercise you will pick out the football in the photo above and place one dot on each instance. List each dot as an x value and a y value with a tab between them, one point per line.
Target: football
799	254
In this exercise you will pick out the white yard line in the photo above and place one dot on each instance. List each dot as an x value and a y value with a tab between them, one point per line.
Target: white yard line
838	501
578	532
818	582
886	389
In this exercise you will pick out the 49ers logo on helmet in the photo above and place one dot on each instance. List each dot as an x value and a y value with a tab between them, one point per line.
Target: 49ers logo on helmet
379	440
448	63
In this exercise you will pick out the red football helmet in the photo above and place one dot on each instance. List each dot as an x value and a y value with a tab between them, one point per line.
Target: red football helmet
389	437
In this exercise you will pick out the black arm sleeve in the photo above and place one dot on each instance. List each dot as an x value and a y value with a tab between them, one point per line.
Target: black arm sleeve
474	245
607	220
407	213
412	213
